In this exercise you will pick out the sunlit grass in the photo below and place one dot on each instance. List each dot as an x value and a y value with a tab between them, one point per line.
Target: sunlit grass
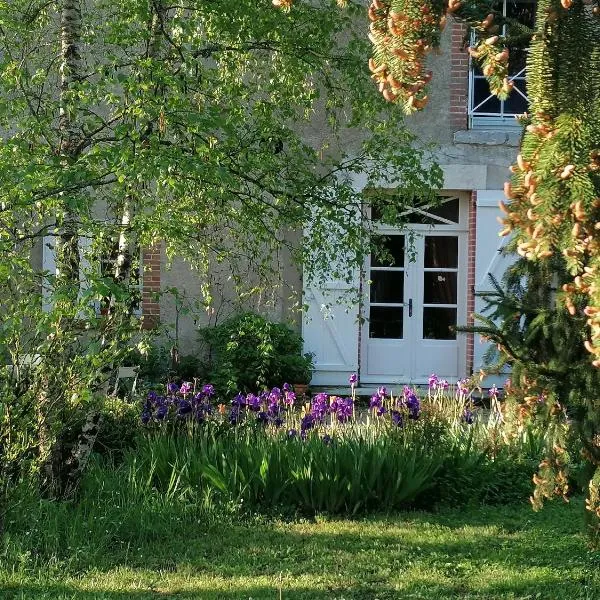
492	552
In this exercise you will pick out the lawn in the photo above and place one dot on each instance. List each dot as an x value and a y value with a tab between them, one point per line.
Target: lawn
491	552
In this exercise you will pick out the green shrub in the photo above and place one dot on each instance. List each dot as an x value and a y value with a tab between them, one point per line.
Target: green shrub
248	353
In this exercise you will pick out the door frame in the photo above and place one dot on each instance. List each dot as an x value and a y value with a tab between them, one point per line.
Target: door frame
461	229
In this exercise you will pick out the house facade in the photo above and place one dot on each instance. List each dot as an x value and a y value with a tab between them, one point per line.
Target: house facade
401	330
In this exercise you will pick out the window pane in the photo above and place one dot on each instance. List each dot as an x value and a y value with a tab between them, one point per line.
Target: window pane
439	288
389	252
441	251
515	103
449	210
438	323
481	91
386	322
387	286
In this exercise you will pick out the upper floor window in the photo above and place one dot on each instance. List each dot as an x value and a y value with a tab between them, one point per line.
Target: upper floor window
485	109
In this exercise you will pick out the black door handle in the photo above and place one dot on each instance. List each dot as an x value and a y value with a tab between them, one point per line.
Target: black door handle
410	307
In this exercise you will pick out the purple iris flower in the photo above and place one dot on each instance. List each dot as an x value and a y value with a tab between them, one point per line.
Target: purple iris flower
307	422
208	389
286	387
146	416
382	392
152	396
461	386
275	395
376	401
274	409
278	421
290	398
433	381
327	439
319	406
186	388
344	409
161	412
234	415
493	392
353	380
397	418
443	384
262	417
468	417
238	400
184	408
253	402
172	388
291	433
381	411
414	407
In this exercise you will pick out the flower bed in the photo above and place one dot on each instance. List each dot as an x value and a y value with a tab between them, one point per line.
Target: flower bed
280	407
328	454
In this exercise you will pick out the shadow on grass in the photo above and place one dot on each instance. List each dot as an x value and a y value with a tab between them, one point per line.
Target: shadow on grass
488	553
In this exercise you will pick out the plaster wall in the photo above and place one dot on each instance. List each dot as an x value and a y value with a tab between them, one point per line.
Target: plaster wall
471	160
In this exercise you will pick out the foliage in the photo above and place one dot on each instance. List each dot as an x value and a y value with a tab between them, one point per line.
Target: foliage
248	353
551	375
134	125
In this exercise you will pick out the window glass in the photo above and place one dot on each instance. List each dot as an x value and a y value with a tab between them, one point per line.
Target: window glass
386	322
482	103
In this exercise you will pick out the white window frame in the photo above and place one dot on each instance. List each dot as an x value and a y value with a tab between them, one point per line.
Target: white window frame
492	120
49	265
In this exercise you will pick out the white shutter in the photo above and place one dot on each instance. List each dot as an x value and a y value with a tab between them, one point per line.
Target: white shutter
330	325
330	331
489	259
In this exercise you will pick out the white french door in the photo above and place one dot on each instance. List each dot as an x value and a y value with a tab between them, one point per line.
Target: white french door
416	296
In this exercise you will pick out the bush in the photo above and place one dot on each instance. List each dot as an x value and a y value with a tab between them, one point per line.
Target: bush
249	353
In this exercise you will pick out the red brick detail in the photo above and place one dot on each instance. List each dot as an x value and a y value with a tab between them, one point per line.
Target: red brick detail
471	248
459	77
150	286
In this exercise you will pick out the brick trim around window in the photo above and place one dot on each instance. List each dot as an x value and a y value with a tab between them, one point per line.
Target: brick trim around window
150	286
459	76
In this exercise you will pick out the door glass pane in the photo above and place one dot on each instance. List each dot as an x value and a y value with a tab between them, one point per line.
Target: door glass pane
390	252
387	286
386	322
439	288
438	323
441	252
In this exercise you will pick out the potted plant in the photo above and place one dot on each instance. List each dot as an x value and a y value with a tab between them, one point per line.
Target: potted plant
298	370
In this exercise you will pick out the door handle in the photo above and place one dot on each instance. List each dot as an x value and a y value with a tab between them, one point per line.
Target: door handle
410	307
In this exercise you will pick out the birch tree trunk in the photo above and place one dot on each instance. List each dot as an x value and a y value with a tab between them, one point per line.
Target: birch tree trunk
67	246
127	243
50	397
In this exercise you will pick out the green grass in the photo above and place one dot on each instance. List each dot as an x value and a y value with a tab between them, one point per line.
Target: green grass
493	552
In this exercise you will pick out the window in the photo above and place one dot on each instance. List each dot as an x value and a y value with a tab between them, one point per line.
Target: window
485	109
